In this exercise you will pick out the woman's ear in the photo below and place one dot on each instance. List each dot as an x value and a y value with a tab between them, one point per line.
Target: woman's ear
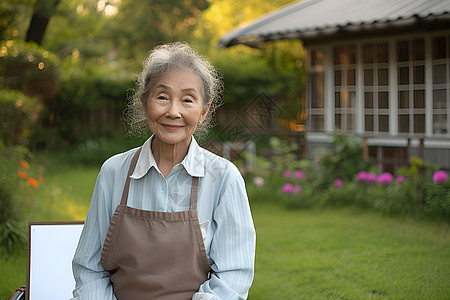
204	113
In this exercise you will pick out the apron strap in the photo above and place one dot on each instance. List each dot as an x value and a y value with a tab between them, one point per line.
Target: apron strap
127	181
194	192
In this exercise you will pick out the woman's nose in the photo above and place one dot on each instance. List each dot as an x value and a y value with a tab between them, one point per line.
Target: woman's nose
173	111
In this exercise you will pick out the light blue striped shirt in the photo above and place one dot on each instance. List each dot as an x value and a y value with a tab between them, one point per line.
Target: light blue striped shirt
223	211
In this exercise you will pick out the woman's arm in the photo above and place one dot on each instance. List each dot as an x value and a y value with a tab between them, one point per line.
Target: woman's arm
92	281
233	245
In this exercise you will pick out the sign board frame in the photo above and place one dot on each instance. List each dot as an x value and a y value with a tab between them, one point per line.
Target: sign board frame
51	246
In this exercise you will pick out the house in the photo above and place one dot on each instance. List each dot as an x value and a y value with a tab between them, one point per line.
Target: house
379	69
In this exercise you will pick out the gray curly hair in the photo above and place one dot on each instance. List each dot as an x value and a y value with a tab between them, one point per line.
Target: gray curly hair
160	60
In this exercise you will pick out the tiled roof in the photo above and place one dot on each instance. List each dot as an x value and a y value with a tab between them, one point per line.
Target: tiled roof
314	16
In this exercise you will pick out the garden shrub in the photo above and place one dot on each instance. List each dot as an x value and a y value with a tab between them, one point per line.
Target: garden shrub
29	68
14	180
417	190
343	160
18	114
90	103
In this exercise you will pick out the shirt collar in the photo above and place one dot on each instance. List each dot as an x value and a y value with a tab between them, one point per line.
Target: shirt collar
193	162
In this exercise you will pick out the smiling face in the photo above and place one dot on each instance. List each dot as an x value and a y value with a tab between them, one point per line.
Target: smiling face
175	106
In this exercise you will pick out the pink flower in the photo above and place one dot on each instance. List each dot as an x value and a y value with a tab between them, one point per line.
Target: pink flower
338	182
440	176
258	181
297	189
299	174
385	178
371	177
288	188
287	173
362	176
400	179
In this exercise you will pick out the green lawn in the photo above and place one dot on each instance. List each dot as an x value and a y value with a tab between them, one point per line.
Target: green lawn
346	254
312	254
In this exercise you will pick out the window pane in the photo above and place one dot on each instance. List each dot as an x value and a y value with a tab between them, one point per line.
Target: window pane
382	53
403	123
368	54
403	99
440	99
317	123
317	90
439	74
351	54
317	57
440	124
439	48
337	99
337	78
418	49
383	100
383	123
350	77
419	123
368	123
419	74
403	75
351	99
368	77
350	122
402	51
337	120
338	56
419	99
383	77
368	100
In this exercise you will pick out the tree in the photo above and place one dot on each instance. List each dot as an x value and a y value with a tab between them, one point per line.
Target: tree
42	12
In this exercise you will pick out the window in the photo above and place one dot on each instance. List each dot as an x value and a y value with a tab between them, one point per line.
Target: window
376	90
316	96
411	86
440	48
345	87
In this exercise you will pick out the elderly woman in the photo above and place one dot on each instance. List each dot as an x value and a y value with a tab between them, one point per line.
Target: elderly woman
168	220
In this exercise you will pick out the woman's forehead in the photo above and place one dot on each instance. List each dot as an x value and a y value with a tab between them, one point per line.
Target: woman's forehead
179	79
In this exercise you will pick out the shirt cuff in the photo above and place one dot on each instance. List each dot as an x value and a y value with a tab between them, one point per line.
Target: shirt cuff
205	296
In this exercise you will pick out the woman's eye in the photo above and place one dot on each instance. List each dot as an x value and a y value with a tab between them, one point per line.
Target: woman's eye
188	100
162	97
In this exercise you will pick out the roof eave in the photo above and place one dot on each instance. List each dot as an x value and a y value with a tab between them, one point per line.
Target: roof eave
348	30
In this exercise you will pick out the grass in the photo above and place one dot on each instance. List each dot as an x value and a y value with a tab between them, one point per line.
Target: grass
347	254
301	254
65	195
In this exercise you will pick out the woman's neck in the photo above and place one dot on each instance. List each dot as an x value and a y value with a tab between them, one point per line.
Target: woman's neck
168	155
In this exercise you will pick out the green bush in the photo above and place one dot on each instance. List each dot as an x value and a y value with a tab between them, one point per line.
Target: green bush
18	114
318	183
29	68
16	185
90	103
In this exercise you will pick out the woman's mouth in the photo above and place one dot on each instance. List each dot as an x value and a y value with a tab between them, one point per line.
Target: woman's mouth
171	127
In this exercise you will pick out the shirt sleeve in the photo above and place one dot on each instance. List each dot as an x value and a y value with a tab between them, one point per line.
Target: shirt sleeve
233	245
92	281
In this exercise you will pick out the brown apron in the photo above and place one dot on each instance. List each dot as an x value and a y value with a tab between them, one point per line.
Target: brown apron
155	255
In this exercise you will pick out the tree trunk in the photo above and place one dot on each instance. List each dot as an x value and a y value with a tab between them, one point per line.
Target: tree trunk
42	12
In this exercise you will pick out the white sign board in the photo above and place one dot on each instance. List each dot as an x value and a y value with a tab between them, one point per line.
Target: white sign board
51	246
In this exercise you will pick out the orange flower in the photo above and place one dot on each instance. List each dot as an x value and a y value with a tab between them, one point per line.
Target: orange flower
33	182
22	174
24	164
